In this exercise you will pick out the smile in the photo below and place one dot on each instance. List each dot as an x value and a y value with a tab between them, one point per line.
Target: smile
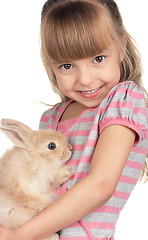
90	93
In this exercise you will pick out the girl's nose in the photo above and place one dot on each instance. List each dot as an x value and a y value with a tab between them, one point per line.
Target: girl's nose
85	76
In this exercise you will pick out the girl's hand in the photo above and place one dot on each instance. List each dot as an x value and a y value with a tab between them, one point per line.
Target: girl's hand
12	234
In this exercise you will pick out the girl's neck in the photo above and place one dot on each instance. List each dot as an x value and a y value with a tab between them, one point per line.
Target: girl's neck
73	110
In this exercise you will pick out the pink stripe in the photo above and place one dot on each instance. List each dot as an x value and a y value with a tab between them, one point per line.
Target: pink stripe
50	126
117	104
94	127
61	191
59	108
79	133
73	162
122	89
100	225
108	209
93	225
112	93
133	94
134	165
136	95
75	238
87	119
44	119
122	121
86	159
91	142
77	147
140	150
83	238
85	227
136	126
75	225
53	117
80	175
80	147
125	179
121	195
128	180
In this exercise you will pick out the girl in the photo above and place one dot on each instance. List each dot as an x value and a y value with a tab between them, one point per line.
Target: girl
94	66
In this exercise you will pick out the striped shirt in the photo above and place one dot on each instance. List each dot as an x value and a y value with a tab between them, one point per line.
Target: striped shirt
123	105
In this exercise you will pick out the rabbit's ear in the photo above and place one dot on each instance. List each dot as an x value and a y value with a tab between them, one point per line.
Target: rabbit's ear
17	132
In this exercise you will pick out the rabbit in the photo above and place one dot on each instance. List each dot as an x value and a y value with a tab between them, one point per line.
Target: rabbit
30	172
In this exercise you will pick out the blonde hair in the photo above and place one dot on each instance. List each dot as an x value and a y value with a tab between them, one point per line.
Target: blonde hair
76	29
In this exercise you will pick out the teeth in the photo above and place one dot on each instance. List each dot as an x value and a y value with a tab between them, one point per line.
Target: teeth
89	92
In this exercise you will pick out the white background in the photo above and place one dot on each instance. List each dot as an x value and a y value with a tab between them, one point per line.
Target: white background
24	83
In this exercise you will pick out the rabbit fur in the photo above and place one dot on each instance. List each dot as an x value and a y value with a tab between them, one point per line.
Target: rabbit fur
30	172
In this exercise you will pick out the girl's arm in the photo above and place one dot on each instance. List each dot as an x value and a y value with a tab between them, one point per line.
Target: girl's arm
110	156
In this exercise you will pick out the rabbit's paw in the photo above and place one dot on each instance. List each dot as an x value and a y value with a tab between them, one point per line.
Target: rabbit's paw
55	236
67	167
63	174
66	172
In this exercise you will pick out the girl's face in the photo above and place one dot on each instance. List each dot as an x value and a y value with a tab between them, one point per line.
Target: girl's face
87	81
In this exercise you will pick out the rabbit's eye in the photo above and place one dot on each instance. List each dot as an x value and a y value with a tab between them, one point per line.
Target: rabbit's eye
51	146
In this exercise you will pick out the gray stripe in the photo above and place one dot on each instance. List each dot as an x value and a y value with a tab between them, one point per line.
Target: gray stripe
137	157
114	202
78	139
143	143
132	172
79	232
81	126
101	217
111	112
47	113
73	232
102	233
82	167
125	187
43	125
88	151
89	114
76	154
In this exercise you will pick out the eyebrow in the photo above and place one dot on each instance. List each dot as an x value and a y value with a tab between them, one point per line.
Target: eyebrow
108	50
61	62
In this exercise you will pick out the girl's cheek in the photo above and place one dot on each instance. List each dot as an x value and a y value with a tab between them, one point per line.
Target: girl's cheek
63	86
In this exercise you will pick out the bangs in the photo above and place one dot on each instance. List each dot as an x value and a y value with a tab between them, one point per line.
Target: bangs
75	30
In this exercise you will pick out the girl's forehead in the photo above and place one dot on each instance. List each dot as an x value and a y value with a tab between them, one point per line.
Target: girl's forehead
105	52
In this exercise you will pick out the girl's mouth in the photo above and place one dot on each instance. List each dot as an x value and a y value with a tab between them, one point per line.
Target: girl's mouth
90	93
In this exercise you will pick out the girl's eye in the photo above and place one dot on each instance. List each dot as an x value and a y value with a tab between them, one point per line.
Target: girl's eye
99	59
66	66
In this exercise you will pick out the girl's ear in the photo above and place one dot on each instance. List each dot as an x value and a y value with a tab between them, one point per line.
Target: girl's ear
123	51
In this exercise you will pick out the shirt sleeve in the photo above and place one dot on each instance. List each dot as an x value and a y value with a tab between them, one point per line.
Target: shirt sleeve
125	105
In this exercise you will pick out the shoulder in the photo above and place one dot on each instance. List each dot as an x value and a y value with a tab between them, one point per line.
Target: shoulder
128	88
125	105
125	94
